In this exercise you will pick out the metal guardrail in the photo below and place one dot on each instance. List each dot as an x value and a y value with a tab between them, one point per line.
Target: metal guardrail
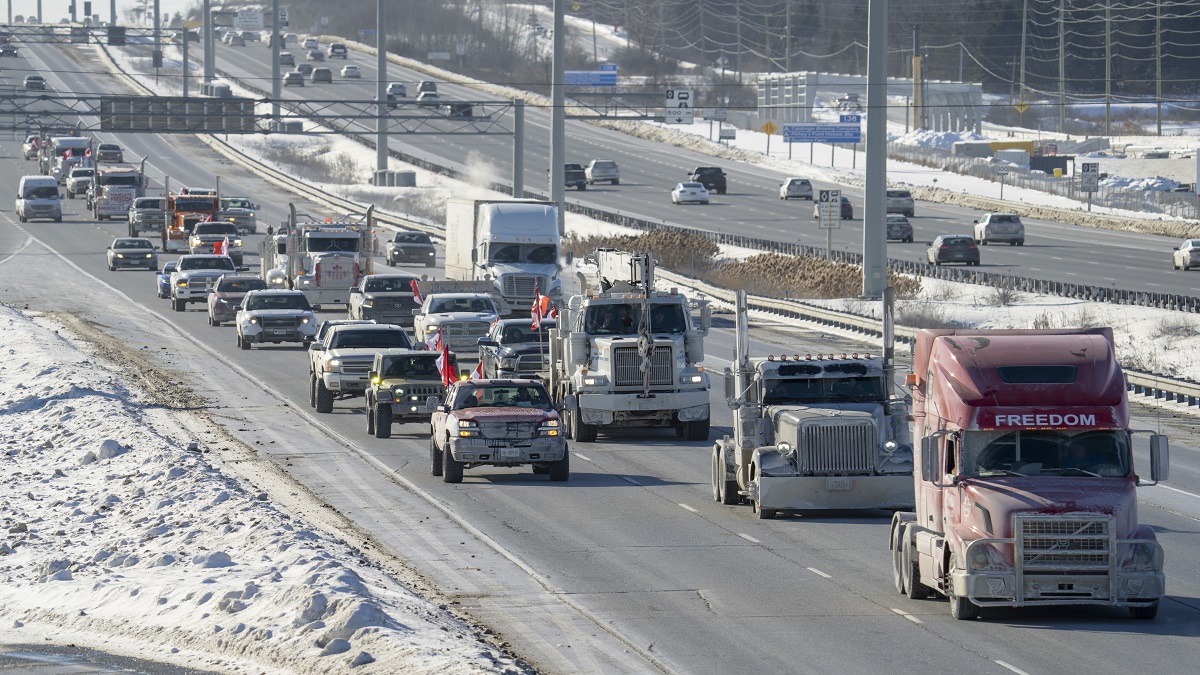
1147	384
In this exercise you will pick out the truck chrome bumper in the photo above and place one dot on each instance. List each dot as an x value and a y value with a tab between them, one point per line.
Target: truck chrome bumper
476	450
802	493
1000	588
658	401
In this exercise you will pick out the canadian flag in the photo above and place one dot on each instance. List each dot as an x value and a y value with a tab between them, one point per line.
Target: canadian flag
87	153
445	366
434	344
67	154
477	374
417	297
542	309
221	247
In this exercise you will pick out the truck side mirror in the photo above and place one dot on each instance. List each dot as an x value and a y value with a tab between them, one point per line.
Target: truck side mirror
443	408
570	403
315	346
354	290
487	342
416	311
1160	458
929	459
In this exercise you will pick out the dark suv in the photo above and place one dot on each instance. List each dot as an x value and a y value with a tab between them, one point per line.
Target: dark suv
575	176
948	248
712	177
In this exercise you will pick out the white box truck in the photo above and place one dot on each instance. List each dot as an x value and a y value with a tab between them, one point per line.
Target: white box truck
512	242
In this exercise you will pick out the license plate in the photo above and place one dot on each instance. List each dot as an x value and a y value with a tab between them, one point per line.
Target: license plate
279	331
839	484
510	452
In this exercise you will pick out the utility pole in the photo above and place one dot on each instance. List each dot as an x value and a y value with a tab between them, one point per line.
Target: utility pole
1062	66
918	101
1024	32
558	121
1107	67
381	141
595	50
1158	67
209	61
737	49
787	38
874	216
276	84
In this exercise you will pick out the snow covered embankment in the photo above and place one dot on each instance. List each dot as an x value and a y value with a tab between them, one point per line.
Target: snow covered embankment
114	536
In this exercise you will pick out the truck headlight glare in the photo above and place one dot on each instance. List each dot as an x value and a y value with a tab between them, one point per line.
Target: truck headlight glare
1142	558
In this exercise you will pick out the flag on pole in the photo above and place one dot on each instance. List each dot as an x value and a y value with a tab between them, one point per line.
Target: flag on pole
434	344
67	154
445	366
535	312
417	297
477	374
87	153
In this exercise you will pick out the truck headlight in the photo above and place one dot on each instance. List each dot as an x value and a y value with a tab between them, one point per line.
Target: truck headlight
120	255
508	362
594	380
237	243
368	303
253	319
548	428
431	329
182	283
691	378
467	429
306	319
985	557
331	364
1142	557
398	394
149	255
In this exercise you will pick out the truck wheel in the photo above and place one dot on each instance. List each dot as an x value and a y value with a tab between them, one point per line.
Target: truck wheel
1145	612
389	260
70	194
370	419
580	430
431	263
898	580
383	420
960	608
561	470
764	514
312	390
616	182
324	398
541	468
724	491
696	431
243	342
914	589
179	305
435	458
452	470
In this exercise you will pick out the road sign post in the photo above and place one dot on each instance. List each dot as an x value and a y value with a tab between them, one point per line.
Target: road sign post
1089	180
1003	173
829	216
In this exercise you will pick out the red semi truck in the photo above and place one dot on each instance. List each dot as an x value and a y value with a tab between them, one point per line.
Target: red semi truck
1024	476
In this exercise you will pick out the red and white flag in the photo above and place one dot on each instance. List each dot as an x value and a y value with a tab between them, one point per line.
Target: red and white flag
477	374
445	366
434	344
87	153
420	300
542	309
67	154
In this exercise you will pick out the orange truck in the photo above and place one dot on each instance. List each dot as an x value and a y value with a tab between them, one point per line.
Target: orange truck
1024	475
183	212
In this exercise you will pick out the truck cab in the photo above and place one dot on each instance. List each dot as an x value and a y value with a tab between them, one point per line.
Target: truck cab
1024	481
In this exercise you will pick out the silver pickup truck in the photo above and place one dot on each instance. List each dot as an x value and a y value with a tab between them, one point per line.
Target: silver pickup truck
147	215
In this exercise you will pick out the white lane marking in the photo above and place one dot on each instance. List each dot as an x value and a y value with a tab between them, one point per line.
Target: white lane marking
1010	666
583	457
818	572
629	480
25	245
1182	492
748	538
906	615
689	508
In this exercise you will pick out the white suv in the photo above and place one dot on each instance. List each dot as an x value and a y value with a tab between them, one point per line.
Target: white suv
602	171
900	201
796	188
1002	228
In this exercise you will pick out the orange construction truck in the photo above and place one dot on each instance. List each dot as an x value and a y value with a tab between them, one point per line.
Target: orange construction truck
183	212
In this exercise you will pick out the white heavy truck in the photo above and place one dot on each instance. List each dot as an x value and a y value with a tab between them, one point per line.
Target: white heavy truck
514	243
630	355
813	431
322	259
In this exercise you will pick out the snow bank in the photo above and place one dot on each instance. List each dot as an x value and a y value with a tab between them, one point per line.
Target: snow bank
1154	184
942	140
114	536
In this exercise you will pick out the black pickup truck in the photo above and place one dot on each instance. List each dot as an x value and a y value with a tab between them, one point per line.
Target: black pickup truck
575	176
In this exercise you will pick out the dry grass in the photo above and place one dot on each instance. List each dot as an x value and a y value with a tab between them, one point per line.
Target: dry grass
682	252
1001	295
807	277
315	162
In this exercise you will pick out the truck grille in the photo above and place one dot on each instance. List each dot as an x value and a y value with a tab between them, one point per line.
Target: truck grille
509	430
847	447
395	304
522	285
201	283
463	336
532	362
1072	542
628	372
360	367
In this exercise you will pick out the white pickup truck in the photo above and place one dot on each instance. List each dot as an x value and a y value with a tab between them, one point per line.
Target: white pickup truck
339	364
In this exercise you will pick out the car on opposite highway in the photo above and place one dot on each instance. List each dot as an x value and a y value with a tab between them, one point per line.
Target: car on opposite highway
415	247
236	40
847	211
314	55
796	188
459	109
274	315
428	99
227	296
351	71
293	79
898	228
427	86
574	176
131	252
35	82
304	69
689	193
1001	228
1186	255
397	89
162	281
287	59
338	50
948	248
712	177
900	201
322	76
603	171
78	180
8	49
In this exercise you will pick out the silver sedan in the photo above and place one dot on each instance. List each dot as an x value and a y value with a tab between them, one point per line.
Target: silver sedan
132	252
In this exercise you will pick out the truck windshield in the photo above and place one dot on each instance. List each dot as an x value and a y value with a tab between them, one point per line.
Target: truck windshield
235	203
625	319
823	390
502	396
422	367
363	339
449	305
331	244
1046	452
41	193
520	333
120	181
389	284
213	263
540	254
273	301
195	204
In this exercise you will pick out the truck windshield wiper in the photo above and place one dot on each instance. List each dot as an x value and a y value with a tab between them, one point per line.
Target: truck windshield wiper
1083	471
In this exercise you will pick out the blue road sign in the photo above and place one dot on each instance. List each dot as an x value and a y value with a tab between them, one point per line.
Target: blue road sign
603	66
852	118
821	133
590	78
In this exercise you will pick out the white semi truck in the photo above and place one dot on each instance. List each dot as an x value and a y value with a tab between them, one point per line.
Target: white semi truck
322	259
630	355
514	243
813	431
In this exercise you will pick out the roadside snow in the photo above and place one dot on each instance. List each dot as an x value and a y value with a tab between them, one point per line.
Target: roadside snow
114	536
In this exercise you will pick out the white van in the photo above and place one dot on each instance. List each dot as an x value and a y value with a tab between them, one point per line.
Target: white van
38	198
